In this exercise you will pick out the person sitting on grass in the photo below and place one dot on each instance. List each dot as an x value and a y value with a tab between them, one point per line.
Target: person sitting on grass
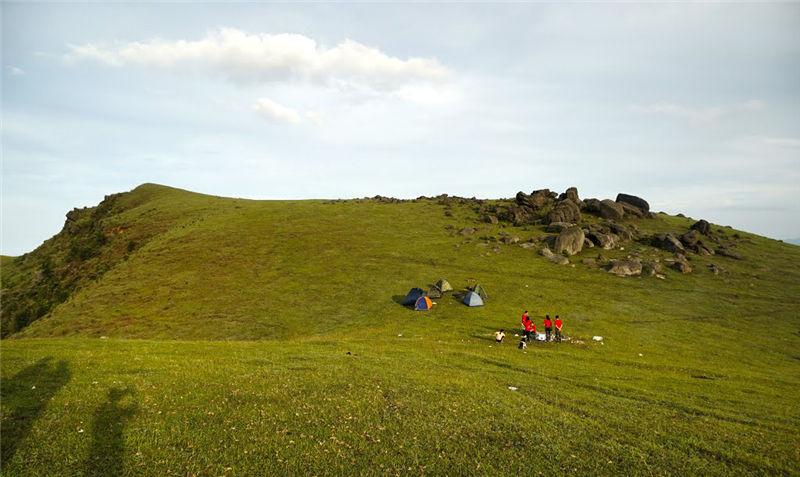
558	329
527	325
522	344
499	336
548	327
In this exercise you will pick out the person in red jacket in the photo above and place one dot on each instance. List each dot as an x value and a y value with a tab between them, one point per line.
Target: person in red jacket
558	329
548	327
524	317
527	325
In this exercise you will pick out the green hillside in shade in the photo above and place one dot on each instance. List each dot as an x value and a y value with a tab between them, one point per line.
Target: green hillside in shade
118	320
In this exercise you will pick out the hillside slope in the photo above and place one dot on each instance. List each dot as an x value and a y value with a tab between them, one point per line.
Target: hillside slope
696	374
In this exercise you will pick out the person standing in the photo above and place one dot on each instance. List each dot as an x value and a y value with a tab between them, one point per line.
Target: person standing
527	325
524	317
548	327
558	329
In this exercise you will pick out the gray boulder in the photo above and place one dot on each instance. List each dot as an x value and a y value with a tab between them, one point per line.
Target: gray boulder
669	243
632	210
557	227
625	268
726	252
570	241
702	227
557	259
651	268
611	210
637	202
622	232
604	241
690	238
591	206
682	266
466	231
587	243
565	211
528	246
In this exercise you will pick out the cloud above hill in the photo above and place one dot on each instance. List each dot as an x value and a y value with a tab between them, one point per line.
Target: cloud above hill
260	58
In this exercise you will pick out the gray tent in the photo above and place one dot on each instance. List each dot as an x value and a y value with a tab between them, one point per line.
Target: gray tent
480	291
444	285
472	299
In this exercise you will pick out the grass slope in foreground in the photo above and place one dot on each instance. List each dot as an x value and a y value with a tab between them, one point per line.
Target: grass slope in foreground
697	374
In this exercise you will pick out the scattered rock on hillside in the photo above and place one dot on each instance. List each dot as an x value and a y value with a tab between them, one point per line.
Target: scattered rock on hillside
669	243
528	246
490	219
726	252
558	259
702	226
651	268
587	243
509	239
570	241
631	210
557	227
467	231
703	249
601	258
604	241
690	238
590	262
716	269
625	268
637	202
611	210
622	232
565	211
682	266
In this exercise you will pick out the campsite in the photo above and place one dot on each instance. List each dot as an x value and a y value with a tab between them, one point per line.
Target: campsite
203	352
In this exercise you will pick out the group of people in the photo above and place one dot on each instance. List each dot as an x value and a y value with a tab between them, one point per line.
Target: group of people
529	327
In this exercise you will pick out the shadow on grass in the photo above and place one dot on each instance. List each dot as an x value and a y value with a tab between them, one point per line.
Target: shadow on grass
399	299
26	395
107	453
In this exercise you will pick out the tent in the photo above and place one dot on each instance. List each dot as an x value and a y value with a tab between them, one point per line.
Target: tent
444	285
412	296
423	304
472	299
480	291
434	292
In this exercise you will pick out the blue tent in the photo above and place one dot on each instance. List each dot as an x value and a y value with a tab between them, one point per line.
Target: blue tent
472	299
413	296
423	304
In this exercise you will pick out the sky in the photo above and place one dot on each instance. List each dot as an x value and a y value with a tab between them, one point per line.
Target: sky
693	106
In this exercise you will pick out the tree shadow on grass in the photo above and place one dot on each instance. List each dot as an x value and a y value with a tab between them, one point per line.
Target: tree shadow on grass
25	396
107	453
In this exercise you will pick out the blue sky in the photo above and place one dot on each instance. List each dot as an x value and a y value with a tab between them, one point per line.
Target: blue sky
695	107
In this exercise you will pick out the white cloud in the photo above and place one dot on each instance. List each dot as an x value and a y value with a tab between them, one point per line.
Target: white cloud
246	58
781	142
16	71
315	117
274	111
698	115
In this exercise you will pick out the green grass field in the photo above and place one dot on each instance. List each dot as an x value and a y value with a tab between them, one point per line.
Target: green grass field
246	338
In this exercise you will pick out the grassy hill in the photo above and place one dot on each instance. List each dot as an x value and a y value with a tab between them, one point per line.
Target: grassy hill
122	323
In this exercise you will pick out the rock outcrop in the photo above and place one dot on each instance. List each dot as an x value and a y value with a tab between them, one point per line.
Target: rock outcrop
557	259
570	241
611	210
637	202
625	268
702	227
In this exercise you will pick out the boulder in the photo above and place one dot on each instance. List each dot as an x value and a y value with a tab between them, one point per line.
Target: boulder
509	239
650	215
702	227
682	266
620	230
611	210
587	243
632	210
669	243
604	241
591	206
716	269
637	202
651	268
466	231
703	249
491	219
565	211
625	268
726	252
557	227
690	238
537	199
528	246
557	259
591	262
601	258
570	241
